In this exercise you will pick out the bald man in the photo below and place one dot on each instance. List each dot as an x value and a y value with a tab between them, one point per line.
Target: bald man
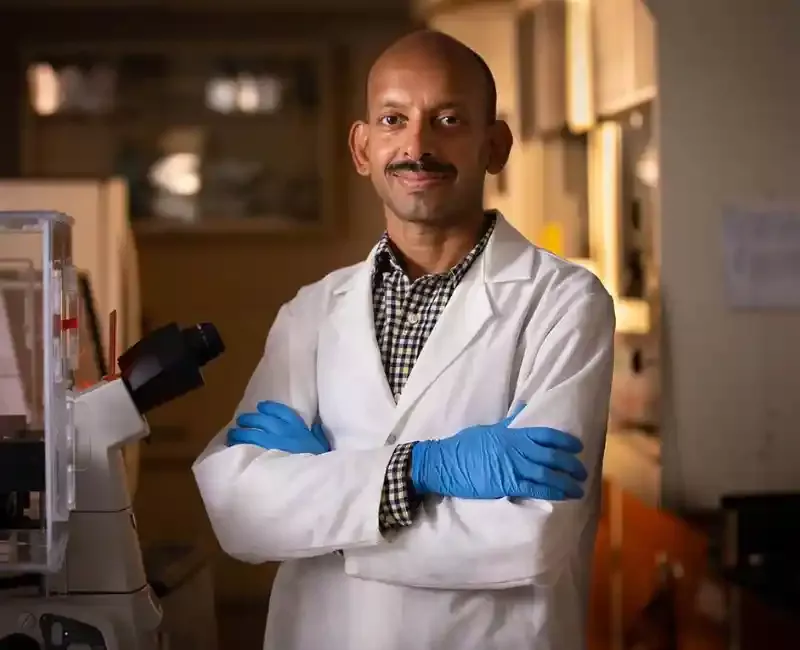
421	442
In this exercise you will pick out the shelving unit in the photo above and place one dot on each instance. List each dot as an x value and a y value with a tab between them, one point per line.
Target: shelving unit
624	55
211	138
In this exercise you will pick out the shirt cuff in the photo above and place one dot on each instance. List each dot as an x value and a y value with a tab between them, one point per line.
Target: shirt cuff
399	502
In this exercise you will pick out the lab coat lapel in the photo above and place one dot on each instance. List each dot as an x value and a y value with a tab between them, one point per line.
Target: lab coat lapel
508	257
465	316
354	323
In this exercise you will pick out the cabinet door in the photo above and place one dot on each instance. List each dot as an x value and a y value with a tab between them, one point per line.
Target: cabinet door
624	53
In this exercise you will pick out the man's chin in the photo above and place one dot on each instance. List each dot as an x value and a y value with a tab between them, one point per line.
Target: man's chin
426	211
423	216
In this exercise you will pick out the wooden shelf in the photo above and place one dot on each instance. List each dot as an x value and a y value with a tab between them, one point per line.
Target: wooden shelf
301	148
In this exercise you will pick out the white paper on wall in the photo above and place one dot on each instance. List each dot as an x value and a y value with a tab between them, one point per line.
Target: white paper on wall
761	253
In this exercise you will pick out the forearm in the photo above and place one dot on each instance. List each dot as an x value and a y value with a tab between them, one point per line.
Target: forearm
270	506
477	544
456	543
495	544
485	544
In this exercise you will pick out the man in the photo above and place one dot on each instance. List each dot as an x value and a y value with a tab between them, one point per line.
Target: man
407	445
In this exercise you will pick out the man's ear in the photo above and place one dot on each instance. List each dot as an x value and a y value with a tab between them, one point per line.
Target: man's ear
500	142
358	140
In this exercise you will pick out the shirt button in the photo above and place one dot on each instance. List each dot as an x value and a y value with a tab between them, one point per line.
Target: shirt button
391	439
413	319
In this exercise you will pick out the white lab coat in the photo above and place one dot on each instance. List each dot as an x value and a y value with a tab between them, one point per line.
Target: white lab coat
523	326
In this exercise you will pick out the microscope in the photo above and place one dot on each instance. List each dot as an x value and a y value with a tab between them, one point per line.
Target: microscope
71	570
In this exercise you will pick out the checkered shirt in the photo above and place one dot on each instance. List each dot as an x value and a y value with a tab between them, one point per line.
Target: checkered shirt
405	313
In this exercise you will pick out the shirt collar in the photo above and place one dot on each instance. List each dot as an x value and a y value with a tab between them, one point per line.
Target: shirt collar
386	259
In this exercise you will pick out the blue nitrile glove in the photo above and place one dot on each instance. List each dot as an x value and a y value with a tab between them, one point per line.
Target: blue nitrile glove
277	426
494	461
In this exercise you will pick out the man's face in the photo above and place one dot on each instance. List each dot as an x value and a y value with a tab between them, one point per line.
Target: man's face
428	142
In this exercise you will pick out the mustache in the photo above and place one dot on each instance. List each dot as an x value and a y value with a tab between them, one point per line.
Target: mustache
424	164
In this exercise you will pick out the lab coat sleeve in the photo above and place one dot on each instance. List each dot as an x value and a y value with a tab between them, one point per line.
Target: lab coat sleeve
497	544
269	506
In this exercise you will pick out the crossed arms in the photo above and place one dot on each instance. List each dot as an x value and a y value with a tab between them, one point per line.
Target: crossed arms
269	506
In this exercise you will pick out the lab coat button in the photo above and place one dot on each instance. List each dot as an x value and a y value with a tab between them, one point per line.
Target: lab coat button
391	439
413	319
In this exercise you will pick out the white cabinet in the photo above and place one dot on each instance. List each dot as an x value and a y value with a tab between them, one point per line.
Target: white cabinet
624	55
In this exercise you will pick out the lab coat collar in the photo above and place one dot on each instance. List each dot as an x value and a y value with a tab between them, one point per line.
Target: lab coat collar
508	257
385	257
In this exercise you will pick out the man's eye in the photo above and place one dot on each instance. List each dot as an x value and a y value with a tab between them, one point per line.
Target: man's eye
389	120
449	120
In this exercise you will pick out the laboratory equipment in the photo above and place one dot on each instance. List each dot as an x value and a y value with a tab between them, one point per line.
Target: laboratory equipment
71	571
104	247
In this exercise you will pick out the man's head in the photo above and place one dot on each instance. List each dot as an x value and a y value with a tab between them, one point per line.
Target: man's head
431	132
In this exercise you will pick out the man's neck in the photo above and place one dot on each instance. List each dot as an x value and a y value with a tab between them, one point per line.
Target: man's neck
431	249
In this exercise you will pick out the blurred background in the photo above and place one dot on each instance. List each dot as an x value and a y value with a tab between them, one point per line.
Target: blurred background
201	147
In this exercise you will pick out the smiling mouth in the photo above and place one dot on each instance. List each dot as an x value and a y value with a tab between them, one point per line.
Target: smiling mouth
422	180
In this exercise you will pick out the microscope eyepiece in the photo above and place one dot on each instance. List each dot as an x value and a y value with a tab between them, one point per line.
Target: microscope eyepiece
166	363
204	341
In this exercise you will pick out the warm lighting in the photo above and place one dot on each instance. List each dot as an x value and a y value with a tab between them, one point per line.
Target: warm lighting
221	95
605	237
605	185
633	316
647	169
45	89
580	80
245	93
552	238
71	89
247	96
178	174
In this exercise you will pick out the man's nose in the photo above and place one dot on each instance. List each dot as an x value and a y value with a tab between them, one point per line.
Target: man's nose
419	140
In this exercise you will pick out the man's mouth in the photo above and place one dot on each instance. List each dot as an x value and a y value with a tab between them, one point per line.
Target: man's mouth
419	180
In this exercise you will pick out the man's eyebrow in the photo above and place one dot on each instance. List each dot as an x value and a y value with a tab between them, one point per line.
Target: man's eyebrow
390	103
449	106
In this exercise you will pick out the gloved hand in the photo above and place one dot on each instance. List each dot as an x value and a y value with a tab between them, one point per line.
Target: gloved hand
277	426
495	461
